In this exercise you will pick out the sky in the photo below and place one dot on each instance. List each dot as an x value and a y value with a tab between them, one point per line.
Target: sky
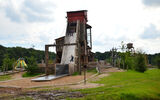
38	22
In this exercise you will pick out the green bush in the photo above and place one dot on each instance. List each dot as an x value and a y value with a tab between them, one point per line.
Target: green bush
130	62
7	63
32	66
158	62
92	70
127	61
75	73
140	63
134	62
26	74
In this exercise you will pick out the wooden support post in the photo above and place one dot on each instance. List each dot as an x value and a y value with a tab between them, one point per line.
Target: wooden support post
46	59
85	54
85	47
84	68
79	58
90	38
78	46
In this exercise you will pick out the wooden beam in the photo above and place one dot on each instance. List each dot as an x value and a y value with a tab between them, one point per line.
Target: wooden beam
46	58
54	45
90	38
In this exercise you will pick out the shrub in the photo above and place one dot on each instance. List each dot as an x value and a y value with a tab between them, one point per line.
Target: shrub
75	73
127	61
7	64
32	66
26	74
130	62
158	62
140	63
32	69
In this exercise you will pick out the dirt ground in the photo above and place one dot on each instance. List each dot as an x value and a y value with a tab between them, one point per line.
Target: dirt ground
112	69
20	82
58	89
18	94
17	75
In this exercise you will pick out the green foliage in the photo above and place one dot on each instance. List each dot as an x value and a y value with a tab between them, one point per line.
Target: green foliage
108	60
130	62
5	77
153	58
95	59
75	73
51	61
135	62
102	56
129	85
32	66
140	63
92	70
7	63
26	74
157	61
2	54
18	52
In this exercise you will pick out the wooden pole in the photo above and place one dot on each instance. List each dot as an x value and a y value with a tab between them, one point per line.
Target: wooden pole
90	38
78	46
84	74
46	59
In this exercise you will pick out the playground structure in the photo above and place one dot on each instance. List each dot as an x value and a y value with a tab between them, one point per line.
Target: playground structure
17	66
20	63
74	49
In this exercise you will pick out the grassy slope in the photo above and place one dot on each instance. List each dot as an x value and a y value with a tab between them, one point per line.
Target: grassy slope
5	77
128	85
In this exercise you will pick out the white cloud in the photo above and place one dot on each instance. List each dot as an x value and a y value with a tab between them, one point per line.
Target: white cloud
113	21
152	3
151	33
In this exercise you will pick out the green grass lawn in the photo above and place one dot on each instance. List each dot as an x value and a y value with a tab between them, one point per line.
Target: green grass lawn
129	85
26	74
5	77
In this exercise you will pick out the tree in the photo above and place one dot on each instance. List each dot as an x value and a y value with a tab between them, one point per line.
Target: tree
6	64
123	59
123	46
140	62
32	66
2	53
157	61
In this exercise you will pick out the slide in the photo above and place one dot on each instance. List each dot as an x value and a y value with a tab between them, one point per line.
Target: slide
68	54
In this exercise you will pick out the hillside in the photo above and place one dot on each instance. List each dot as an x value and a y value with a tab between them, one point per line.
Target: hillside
17	52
